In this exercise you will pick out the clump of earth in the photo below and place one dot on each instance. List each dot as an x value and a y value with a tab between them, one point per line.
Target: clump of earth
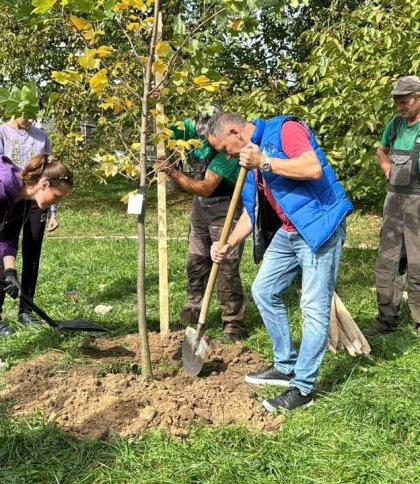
102	394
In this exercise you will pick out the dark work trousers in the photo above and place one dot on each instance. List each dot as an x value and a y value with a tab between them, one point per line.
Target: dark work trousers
400	229
33	219
207	219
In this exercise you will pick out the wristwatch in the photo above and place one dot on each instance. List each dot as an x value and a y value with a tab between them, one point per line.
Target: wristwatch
266	164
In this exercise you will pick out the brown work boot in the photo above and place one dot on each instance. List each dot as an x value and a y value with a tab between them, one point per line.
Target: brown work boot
234	332
379	327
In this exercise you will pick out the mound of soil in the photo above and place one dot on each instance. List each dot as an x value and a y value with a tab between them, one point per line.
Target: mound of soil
101	395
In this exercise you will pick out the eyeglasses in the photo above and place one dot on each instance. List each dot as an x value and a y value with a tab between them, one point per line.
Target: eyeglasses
67	178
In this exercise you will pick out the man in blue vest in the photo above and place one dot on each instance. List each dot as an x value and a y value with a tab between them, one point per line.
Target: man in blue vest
296	209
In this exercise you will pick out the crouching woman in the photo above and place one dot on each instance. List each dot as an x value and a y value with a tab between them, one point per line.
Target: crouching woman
43	180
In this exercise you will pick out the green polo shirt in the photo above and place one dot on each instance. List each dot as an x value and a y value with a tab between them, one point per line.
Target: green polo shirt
227	168
406	136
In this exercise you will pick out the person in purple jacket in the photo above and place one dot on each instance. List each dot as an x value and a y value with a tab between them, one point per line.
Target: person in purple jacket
43	181
20	141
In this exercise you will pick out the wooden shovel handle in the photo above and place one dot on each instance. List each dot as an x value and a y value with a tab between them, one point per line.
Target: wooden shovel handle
223	239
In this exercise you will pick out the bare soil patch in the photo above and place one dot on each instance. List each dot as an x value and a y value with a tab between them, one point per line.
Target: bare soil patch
100	395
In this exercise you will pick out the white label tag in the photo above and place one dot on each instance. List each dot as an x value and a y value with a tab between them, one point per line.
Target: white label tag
135	203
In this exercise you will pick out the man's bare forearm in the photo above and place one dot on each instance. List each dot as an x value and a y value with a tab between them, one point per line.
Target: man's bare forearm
242	230
384	159
202	188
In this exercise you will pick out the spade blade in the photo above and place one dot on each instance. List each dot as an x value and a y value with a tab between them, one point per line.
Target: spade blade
193	359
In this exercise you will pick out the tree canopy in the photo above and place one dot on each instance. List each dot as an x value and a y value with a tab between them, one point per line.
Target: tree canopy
332	63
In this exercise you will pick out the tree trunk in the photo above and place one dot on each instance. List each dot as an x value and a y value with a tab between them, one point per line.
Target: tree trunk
146	364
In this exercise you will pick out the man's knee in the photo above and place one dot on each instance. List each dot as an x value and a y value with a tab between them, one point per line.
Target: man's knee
259	291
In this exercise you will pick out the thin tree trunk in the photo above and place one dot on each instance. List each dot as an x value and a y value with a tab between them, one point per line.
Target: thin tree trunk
141	253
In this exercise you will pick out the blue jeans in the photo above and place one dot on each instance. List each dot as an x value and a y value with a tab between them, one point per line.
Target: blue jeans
287	256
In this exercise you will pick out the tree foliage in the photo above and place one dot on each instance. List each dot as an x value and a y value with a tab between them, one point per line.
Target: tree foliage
343	86
332	62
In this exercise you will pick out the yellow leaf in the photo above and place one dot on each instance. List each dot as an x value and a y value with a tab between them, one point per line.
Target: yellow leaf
103	50
180	125
112	102
180	143
154	112
171	144
162	48
79	23
108	158
139	4
116	69
89	35
143	59
65	77
134	26
130	105
135	146
159	66
195	142
237	24
99	81
124	5
102	120
201	80
88	60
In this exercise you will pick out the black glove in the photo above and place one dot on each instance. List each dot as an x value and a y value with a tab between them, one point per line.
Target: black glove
11	283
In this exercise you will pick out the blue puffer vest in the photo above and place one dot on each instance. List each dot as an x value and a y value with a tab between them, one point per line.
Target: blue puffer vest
315	207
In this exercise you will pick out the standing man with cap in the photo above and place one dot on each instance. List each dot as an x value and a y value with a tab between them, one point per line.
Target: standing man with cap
399	158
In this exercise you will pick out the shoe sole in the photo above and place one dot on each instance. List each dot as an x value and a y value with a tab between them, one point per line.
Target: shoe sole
259	381
267	405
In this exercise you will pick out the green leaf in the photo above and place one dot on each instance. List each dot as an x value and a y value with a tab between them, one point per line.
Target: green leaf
179	27
42	6
29	94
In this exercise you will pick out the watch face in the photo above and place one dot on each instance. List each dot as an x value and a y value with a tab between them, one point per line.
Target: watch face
266	166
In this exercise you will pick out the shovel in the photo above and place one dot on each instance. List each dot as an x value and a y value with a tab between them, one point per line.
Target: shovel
194	346
72	325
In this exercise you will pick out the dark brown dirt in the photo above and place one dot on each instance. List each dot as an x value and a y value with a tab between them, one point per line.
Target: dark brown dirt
100	395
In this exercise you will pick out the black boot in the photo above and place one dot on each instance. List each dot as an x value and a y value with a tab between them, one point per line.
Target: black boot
5	329
379	327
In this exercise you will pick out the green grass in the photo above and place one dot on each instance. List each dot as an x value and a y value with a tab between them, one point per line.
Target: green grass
364	427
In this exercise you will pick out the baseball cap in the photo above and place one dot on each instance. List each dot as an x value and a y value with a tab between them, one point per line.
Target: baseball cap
406	85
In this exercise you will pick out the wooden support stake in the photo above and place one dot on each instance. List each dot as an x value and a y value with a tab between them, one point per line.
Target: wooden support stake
333	335
350	327
162	228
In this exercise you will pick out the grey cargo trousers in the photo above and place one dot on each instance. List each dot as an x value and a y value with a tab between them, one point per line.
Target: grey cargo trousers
207	218
401	226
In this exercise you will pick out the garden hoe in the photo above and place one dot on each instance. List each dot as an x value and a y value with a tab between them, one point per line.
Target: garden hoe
71	325
194	346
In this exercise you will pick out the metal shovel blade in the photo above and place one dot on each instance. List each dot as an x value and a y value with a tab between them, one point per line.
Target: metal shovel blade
193	358
79	325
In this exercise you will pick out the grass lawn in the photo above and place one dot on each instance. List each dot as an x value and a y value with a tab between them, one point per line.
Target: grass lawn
364	427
